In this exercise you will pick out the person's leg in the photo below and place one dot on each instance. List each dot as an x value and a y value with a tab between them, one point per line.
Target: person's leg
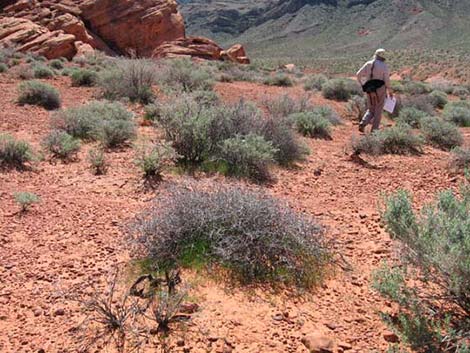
369	115
379	107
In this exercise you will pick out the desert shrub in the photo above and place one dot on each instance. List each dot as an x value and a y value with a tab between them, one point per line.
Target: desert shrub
419	324
460	159
205	98
422	102
329	114
193	128
398	139
340	89
279	79
61	145
42	71
24	72
152	159
115	132
184	75
357	107
83	77
248	156
312	124
98	162
110	123
25	200
252	235
233	72
3	67
457	113
38	93
284	106
197	130
152	111
437	238
411	116
397	86
315	82
441	133
416	87
56	64
129	78
438	99
442	85
461	92
14	153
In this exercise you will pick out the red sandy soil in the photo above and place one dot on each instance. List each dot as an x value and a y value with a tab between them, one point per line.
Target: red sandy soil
76	235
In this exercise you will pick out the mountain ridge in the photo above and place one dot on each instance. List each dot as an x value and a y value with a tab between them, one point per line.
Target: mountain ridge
325	27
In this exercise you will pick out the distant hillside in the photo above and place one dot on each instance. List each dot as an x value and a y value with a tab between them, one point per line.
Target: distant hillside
320	28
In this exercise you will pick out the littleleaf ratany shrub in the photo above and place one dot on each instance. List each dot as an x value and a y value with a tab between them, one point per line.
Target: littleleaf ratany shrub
253	236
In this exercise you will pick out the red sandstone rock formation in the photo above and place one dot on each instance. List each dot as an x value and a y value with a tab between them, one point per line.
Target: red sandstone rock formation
137	26
66	28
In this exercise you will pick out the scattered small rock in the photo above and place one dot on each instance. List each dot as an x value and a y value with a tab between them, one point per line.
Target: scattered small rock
318	343
390	337
180	343
345	346
59	312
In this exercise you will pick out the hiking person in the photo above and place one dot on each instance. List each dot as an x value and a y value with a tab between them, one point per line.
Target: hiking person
374	77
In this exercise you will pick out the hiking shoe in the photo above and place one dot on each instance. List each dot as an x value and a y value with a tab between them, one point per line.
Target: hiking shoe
361	128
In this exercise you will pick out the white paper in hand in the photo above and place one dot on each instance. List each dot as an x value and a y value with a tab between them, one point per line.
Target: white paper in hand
390	104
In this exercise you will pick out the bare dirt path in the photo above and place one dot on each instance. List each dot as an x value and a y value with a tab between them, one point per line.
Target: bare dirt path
76	236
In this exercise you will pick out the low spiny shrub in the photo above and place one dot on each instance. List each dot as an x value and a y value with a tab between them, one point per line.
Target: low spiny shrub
255	237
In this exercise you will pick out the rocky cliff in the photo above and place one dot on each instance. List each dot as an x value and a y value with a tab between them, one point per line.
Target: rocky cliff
65	28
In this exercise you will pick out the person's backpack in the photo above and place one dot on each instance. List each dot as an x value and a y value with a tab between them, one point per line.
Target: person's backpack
372	85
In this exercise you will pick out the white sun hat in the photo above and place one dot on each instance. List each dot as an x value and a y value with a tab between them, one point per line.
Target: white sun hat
381	52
